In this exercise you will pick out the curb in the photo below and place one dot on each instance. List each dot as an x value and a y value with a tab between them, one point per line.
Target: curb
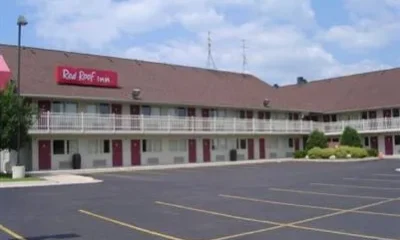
191	165
44	182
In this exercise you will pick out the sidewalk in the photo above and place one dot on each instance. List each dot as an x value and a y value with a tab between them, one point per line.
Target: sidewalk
190	165
52	180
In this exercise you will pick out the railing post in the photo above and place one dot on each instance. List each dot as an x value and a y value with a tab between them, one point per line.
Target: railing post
301	126
142	123
193	124
214	124
342	125
48	121
113	122
254	124
234	124
311	125
287	125
169	123
270	125
82	122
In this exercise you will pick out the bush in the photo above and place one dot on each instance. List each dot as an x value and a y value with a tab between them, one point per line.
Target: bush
316	139
321	153
350	137
358	152
300	154
372	152
340	152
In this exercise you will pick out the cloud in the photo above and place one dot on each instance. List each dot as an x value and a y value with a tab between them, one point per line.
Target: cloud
279	45
374	24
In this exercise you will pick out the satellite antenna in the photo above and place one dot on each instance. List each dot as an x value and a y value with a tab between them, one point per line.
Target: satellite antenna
210	60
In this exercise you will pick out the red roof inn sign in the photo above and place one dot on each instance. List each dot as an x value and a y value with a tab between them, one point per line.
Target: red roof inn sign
86	77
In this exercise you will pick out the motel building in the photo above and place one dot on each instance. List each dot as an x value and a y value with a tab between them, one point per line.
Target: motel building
121	112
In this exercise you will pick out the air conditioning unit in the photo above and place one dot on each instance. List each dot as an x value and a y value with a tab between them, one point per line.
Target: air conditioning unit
266	102
136	93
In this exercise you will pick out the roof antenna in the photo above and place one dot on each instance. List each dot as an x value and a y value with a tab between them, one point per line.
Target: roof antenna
244	64
210	60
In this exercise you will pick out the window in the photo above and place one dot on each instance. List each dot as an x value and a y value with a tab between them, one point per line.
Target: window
364	115
267	115
176	145
397	140
151	145
61	147
366	141
97	146
220	144
58	147
333	117
146	110
102	108
64	107
181	112
241	144
396	112
290	142
326	118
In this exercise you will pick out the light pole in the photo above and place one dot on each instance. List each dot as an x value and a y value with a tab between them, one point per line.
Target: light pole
20	22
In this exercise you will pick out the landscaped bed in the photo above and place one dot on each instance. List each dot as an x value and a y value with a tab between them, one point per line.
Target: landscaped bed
349	147
8	178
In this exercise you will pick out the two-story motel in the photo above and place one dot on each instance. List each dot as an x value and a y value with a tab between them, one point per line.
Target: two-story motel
122	112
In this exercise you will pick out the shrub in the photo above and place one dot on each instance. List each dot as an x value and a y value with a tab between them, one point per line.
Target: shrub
316	139
340	152
358	152
314	153
321	153
300	154
350	137
372	152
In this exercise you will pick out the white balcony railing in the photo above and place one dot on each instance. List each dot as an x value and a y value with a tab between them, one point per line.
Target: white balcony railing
111	123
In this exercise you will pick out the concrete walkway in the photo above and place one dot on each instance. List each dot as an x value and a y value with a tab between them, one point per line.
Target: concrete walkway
189	165
51	180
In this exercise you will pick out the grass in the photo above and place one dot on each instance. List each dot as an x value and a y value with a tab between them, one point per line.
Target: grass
8	178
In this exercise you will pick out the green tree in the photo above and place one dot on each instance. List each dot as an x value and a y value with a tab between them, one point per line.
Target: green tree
350	137
14	112
316	139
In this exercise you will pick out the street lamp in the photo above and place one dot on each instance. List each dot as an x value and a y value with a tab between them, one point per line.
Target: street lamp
20	22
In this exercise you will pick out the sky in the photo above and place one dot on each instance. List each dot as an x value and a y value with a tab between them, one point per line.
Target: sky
283	39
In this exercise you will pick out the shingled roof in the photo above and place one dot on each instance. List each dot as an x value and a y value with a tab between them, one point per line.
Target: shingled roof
181	85
370	90
159	83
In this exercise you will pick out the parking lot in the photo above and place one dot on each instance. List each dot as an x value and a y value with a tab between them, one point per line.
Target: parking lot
341	201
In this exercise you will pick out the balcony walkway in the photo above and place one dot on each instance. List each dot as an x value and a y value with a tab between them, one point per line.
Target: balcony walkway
84	123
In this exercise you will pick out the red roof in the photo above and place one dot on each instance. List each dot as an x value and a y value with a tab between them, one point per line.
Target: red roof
159	83
182	85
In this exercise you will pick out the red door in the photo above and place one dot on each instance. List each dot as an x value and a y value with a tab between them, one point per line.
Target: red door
44	108
250	148
374	143
388	145
135	122
192	151
262	148
135	152
296	144
117	153
205	113
206	150
117	110
44	154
